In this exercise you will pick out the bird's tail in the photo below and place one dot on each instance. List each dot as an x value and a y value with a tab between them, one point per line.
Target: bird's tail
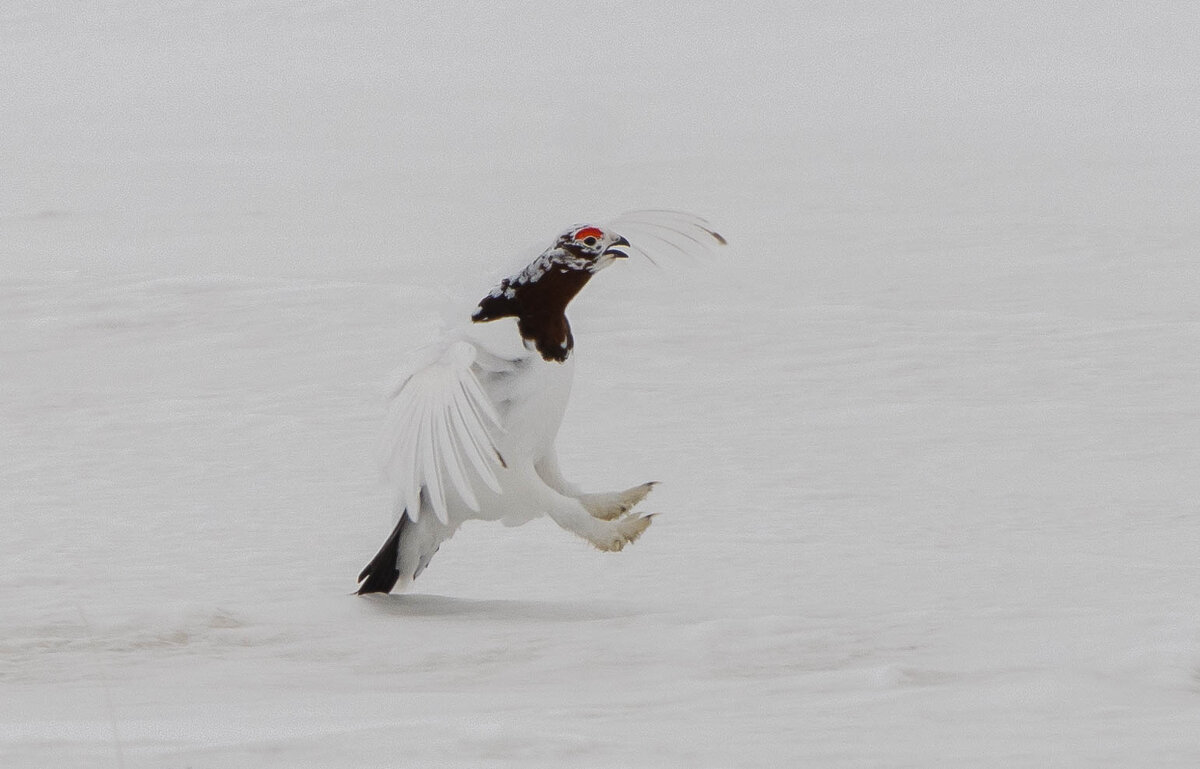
405	554
381	573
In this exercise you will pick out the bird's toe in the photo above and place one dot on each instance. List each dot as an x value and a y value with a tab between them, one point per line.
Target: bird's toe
623	532
612	505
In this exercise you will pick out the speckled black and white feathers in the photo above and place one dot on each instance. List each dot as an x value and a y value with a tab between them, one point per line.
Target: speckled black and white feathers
538	295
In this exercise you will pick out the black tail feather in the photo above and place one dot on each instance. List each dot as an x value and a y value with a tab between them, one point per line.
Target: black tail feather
381	573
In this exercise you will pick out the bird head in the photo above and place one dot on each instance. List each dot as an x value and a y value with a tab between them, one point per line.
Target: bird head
549	282
538	295
587	247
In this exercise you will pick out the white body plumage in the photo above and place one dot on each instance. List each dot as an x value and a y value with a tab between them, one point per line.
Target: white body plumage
483	404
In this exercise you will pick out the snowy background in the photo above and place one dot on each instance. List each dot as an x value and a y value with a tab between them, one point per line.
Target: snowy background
928	430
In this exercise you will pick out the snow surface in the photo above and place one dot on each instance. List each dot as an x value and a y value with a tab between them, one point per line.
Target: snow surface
928	430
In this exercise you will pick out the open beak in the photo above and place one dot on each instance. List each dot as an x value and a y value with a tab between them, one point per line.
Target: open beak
615	249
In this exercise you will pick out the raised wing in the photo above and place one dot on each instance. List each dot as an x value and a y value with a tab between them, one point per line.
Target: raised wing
662	234
442	435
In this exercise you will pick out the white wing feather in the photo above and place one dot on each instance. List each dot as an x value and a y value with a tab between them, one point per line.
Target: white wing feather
663	234
442	436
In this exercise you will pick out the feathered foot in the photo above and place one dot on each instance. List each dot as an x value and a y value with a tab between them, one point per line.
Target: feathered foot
622	533
608	506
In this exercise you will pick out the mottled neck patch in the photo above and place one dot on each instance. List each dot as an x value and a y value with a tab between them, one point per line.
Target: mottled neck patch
538	298
549	261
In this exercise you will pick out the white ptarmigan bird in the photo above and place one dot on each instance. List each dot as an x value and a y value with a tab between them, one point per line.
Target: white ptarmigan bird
473	425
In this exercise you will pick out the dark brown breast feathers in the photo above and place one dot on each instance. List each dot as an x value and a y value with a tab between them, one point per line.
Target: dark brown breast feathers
540	309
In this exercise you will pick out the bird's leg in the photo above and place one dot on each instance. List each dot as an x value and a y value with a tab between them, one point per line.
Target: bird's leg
548	470
604	505
570	513
613	504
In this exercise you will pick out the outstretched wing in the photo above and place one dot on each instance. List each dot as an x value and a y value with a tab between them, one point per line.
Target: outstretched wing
442	432
662	234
